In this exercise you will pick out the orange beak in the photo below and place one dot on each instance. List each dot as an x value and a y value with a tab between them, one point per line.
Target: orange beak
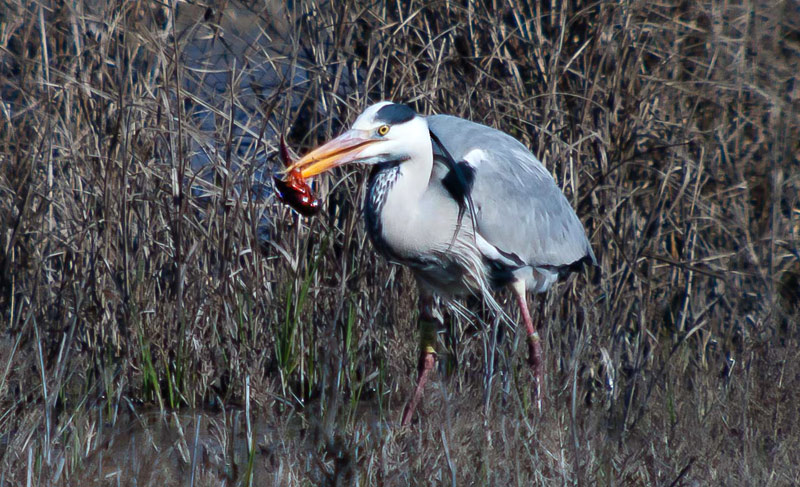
341	150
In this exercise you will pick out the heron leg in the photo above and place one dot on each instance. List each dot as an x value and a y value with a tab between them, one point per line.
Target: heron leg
535	355
428	324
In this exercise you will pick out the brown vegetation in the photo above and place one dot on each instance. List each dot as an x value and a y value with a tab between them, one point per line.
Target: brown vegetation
162	320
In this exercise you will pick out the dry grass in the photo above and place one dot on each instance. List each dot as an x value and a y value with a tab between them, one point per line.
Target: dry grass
164	322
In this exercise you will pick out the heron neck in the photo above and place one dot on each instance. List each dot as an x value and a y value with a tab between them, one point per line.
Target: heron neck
394	202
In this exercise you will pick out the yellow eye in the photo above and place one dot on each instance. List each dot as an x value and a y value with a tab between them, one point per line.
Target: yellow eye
383	130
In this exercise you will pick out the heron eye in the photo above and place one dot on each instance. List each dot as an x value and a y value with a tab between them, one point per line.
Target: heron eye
383	130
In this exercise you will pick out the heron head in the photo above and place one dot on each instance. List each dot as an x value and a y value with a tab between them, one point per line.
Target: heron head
384	132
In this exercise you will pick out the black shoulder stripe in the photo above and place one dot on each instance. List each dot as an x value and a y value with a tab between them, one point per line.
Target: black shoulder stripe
462	184
459	181
395	113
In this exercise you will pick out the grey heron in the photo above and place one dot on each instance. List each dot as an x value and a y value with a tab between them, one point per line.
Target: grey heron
466	207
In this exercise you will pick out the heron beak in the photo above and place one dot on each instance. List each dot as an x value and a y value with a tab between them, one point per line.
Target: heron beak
338	151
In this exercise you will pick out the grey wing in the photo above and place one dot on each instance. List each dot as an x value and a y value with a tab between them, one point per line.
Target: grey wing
519	209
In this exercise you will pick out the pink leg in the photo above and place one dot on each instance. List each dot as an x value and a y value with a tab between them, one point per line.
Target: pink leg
427	356
426	362
535	356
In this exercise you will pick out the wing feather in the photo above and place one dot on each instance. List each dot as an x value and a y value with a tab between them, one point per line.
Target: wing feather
519	208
